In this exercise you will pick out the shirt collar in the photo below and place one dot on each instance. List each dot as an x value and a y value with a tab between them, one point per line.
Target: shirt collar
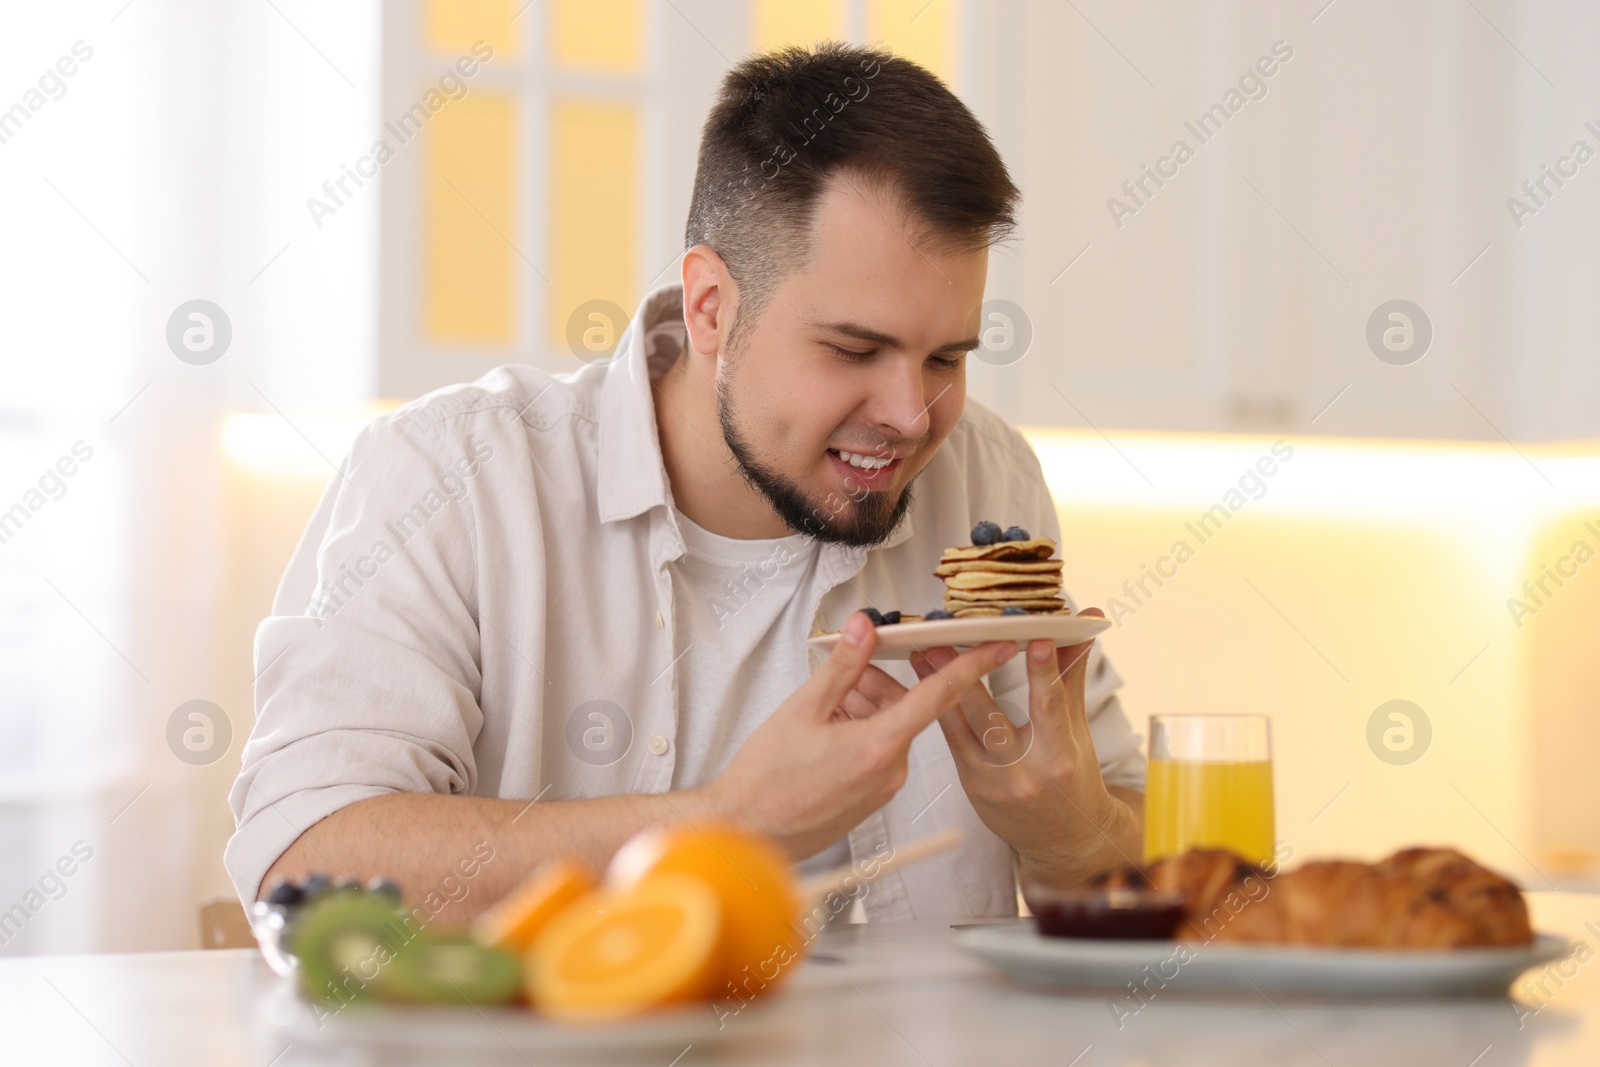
632	474
633	478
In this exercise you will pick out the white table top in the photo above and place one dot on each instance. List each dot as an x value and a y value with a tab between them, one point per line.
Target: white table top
878	994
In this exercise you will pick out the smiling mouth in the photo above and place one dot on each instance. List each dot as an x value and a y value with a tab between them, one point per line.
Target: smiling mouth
865	471
862	461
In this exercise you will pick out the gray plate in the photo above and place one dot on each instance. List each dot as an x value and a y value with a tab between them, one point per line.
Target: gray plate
1023	954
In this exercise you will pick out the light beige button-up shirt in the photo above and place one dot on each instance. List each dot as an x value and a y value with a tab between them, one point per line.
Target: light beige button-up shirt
482	601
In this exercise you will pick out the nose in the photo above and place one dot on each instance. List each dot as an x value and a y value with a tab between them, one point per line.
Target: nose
900	401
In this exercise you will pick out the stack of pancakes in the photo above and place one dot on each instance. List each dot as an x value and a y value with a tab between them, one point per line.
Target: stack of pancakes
982	580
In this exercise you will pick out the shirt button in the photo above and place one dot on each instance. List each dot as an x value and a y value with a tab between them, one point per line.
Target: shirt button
658	745
660	622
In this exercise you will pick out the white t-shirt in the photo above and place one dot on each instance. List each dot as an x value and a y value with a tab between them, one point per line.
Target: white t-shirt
741	616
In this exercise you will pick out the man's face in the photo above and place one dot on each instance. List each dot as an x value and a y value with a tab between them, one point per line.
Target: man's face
855	372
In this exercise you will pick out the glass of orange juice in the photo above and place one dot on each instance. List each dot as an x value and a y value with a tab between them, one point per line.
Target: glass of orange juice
1209	786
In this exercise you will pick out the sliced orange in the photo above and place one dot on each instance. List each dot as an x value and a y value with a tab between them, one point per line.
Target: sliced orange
751	879
517	919
626	951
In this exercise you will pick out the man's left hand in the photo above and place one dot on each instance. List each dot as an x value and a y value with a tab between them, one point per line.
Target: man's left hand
1038	786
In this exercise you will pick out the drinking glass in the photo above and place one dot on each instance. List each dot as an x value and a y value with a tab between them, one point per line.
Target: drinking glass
1210	786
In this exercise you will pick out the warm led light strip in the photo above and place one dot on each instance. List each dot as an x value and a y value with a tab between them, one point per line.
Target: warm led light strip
1486	483
1491	484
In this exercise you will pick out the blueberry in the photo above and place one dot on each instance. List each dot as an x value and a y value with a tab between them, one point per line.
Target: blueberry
1013	610
1014	533
383	887
286	894
875	615
939	614
986	533
891	617
315	885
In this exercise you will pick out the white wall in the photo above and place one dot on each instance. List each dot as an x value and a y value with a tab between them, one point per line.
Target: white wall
1377	167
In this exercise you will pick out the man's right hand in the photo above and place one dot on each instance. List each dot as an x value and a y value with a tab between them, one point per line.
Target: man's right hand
829	756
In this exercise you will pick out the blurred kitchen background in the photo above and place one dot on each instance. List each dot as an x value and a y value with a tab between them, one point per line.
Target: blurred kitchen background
1166	317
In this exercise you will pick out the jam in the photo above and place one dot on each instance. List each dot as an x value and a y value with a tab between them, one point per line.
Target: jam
1107	914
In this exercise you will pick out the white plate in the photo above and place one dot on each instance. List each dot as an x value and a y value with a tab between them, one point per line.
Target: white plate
901	639
1019	951
448	1034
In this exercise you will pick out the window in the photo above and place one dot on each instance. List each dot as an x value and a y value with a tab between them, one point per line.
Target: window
548	155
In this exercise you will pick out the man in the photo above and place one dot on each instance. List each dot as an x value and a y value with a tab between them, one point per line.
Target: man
537	614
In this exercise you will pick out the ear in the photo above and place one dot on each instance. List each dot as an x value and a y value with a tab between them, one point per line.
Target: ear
710	300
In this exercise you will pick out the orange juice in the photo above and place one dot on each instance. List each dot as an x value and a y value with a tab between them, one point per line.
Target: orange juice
1203	804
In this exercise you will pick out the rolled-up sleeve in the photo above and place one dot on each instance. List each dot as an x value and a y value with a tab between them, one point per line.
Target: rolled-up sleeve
368	668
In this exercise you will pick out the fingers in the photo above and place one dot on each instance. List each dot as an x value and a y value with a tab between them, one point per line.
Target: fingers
925	663
942	690
1046	694
1056	680
1070	656
976	706
874	691
1072	661
957	728
825	690
1072	664
856	706
880	687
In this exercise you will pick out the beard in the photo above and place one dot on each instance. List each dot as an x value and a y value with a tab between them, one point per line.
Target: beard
861	519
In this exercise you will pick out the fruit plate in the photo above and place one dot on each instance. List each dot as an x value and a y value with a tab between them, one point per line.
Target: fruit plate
1024	955
391	1034
899	640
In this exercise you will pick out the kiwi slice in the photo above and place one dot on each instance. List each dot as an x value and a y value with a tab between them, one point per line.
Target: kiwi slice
450	970
348	944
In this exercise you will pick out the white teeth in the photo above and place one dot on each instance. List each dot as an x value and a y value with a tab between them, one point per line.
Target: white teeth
855	459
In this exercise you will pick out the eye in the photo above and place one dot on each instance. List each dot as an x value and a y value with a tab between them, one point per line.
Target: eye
848	353
947	363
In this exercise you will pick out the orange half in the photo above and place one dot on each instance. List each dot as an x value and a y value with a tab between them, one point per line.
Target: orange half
518	918
752	881
627	951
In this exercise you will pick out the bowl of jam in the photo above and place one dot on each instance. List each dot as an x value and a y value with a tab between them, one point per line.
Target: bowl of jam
1107	914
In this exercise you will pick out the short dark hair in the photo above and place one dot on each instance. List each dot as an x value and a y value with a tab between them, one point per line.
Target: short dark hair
786	121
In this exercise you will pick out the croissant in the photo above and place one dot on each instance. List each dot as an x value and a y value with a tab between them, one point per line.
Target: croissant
1358	905
1417	898
1493	904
